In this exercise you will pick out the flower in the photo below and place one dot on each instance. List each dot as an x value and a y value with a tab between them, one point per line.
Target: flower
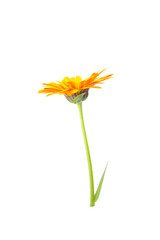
75	89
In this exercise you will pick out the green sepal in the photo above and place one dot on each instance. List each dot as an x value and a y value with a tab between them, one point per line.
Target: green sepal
78	97
96	195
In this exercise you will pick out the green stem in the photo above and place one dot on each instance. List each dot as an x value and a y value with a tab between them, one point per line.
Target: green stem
88	155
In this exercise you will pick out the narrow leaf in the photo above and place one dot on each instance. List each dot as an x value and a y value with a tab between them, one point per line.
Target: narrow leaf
96	196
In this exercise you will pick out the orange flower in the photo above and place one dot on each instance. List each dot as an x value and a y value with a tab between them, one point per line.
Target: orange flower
76	91
74	86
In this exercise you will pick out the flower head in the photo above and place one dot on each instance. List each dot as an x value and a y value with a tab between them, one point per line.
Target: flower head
74	87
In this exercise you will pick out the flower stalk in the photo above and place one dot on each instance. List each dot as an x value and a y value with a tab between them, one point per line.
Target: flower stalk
92	200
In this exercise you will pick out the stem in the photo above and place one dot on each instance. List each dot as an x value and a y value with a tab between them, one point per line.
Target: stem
88	155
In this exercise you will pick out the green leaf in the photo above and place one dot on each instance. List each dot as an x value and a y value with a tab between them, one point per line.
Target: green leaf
96	196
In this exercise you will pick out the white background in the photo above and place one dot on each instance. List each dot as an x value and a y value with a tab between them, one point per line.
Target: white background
44	187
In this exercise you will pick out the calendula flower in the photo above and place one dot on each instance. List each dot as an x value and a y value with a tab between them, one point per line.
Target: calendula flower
76	90
75	86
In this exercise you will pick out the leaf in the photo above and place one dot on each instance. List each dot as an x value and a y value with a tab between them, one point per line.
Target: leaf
96	196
